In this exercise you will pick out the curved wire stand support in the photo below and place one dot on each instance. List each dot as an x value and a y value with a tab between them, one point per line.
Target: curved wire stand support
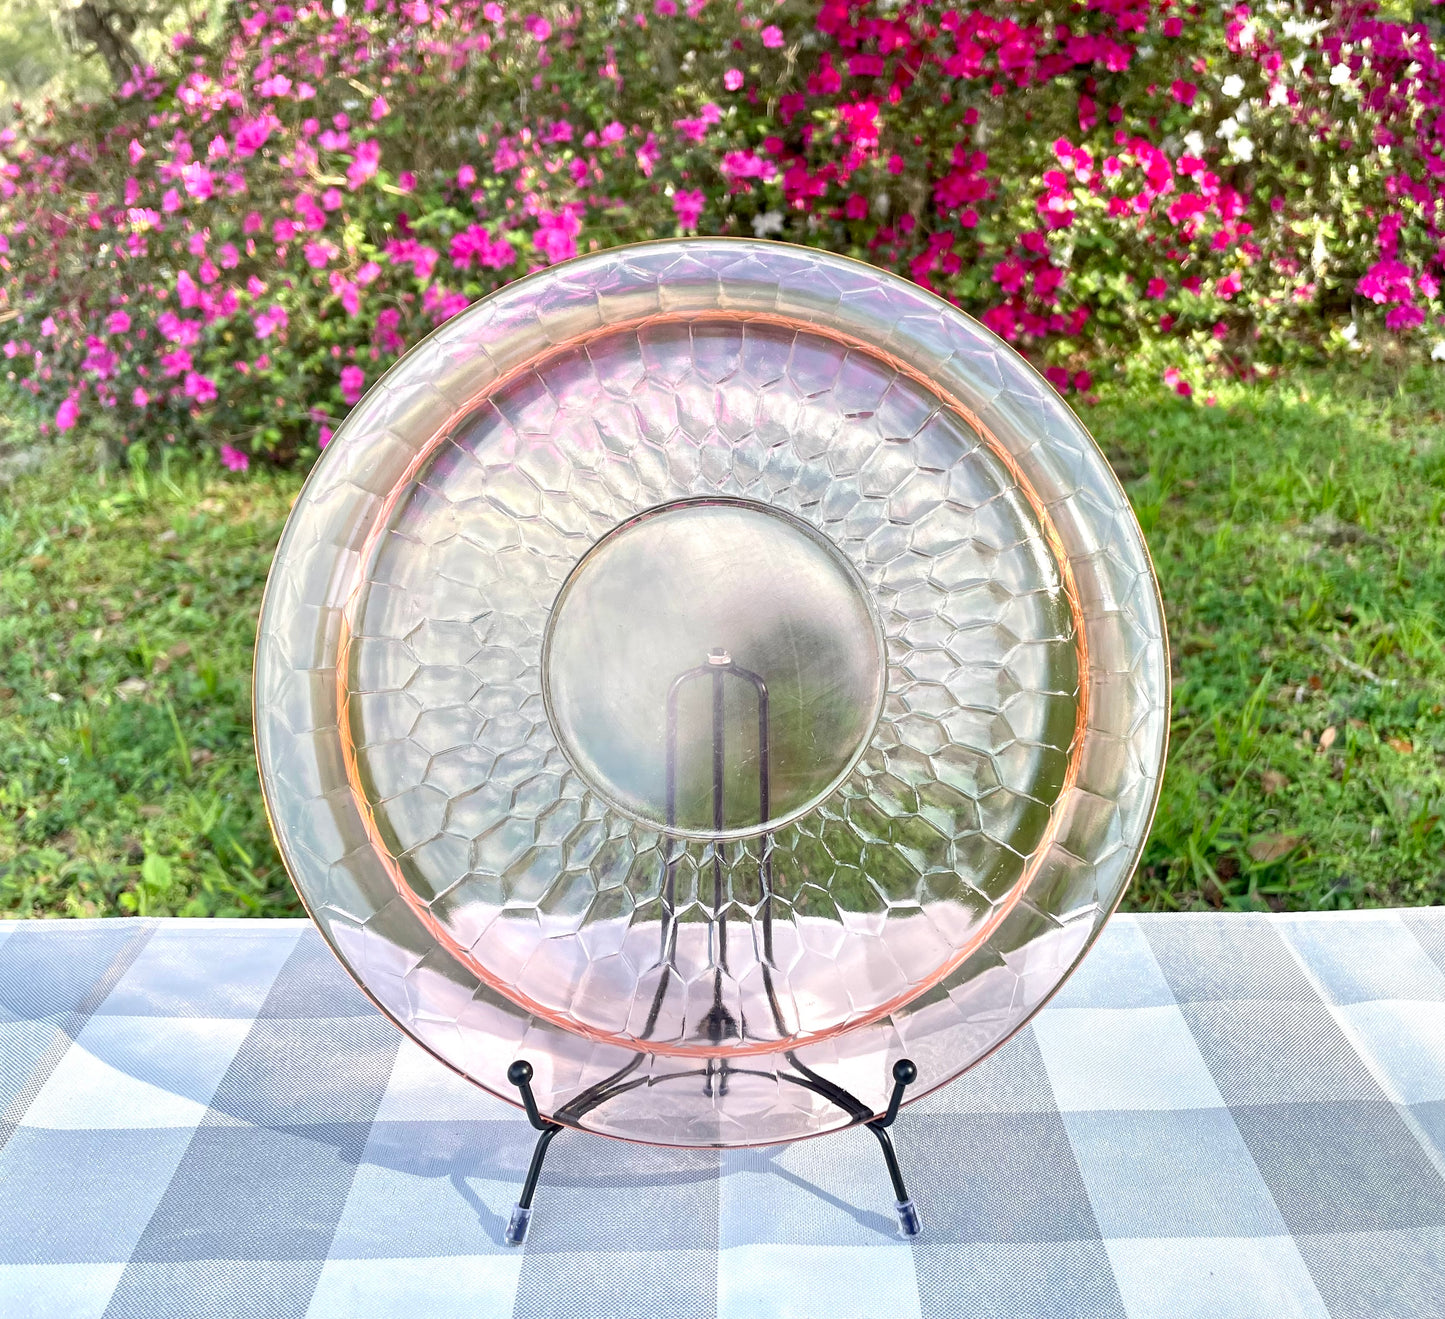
719	1023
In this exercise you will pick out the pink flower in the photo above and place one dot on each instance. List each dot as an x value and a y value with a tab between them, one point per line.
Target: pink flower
233	459
746	165
176	363
252	135
201	388
198	181
1183	92
772	37
379	108
139	398
443	305
466	176
1177	383
269	320
733	79
476	244
364	163
406	180
538	28
353	382
1157	288
387	339
407	251
1404	317
323	437
137	152
349	294
118	322
687	205
556	236
67	414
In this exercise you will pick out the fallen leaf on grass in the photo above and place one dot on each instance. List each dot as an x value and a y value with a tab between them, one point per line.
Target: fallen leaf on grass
1273	781
131	687
1401	744
1327	738
1270	847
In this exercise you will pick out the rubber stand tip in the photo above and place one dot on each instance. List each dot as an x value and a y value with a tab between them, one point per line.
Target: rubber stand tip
517	1226
909	1223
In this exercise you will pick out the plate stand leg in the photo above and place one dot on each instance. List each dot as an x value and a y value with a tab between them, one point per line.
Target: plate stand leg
520	1075
909	1222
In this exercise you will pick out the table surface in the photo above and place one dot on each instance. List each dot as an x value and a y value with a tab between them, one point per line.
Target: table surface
1239	1117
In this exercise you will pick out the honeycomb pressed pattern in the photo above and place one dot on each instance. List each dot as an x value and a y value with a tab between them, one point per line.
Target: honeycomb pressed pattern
495	898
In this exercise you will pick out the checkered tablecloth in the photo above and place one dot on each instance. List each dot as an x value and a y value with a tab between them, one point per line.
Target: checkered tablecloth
1228	1116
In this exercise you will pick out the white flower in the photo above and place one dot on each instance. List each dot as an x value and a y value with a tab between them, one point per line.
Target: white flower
1227	129
1437	353
1233	85
1350	332
1303	31
1278	95
769	222
1339	75
1242	148
1194	142
338	8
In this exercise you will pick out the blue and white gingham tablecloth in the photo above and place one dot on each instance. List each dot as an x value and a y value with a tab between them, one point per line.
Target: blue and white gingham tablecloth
1236	1117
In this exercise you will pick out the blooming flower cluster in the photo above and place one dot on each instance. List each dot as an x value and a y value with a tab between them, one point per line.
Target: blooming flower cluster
230	250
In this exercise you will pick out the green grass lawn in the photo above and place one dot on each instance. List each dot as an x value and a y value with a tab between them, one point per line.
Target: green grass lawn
1299	533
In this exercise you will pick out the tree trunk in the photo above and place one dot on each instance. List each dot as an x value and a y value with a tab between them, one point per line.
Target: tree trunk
106	28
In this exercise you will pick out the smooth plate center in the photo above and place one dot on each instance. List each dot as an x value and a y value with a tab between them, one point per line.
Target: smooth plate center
692	636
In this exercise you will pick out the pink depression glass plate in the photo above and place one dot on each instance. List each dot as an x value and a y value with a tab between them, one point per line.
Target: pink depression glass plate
705	664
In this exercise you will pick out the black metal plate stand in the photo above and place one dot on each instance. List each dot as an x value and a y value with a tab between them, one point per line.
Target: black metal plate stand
719	1021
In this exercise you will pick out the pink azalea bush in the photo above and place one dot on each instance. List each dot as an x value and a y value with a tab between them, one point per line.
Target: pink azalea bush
234	247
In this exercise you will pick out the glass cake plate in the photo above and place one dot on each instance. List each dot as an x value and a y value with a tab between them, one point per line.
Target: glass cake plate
711	671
